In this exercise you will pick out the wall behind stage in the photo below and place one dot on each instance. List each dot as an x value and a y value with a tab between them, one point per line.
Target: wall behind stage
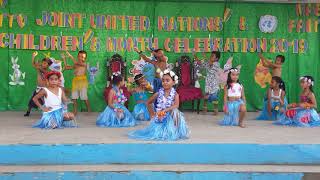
105	27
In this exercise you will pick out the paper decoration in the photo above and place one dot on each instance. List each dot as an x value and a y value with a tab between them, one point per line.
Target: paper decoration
3	3
17	76
88	36
268	23
93	71
262	75
243	25
227	14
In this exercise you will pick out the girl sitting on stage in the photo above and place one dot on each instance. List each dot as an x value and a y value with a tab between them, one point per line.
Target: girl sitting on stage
140	110
304	113
168	123
54	115
276	103
234	101
116	114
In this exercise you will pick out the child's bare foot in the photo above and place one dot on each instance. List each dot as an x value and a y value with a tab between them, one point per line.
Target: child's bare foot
242	125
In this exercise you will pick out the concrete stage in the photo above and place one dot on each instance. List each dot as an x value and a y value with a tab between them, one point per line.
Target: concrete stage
260	151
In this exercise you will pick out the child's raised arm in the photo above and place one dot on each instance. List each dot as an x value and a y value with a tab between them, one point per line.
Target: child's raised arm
144	57
36	98
34	63
150	102
71	57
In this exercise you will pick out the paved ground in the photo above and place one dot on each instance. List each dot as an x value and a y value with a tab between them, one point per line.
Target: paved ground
16	129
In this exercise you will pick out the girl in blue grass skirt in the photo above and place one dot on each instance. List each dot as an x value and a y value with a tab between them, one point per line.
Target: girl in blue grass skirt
168	123
275	104
140	110
54	115
304	113
234	101
116	114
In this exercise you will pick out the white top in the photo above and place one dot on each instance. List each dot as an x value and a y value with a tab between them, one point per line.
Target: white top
276	97
235	90
52	100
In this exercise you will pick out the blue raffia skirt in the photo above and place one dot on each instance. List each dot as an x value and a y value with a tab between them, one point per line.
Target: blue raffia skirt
302	118
140	112
275	114
109	118
53	119
172	127
232	117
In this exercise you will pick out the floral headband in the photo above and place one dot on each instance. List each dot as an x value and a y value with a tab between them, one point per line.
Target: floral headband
306	79
171	74
234	70
118	73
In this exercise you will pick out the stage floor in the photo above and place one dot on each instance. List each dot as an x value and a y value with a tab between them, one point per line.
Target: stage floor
16	129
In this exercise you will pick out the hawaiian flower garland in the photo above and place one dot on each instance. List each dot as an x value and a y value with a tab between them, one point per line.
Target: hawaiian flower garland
164	102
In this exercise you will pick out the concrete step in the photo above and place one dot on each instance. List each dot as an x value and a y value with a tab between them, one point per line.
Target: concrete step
154	172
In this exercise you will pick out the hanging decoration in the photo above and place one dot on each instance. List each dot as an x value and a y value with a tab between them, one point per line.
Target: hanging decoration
268	23
262	75
93	71
17	76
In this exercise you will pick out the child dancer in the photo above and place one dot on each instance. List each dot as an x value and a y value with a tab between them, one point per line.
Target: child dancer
168	123
80	81
140	110
116	114
54	115
234	101
304	113
276	66
276	103
212	81
42	69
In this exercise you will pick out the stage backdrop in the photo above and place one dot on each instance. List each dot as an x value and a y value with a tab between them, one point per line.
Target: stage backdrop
104	28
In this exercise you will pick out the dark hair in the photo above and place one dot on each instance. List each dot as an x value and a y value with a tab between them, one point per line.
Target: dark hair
157	50
280	82
312	80
51	73
116	79
229	80
281	57
82	52
48	60
217	53
137	78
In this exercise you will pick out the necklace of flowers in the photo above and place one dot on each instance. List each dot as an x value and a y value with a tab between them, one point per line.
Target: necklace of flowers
164	102
120	96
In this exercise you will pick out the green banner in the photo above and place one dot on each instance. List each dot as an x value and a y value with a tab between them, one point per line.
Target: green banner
103	28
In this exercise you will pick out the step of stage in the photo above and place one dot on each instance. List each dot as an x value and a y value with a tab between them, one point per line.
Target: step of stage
154	172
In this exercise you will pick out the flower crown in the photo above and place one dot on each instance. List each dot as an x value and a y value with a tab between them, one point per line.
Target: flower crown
234	70
118	73
306	79
171	74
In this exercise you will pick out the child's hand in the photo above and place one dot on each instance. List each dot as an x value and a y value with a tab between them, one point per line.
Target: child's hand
34	54
225	109
136	49
45	109
269	110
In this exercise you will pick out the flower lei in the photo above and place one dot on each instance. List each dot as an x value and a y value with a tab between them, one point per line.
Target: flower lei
164	102
120	98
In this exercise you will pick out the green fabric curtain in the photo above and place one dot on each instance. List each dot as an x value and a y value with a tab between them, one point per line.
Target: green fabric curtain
16	97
